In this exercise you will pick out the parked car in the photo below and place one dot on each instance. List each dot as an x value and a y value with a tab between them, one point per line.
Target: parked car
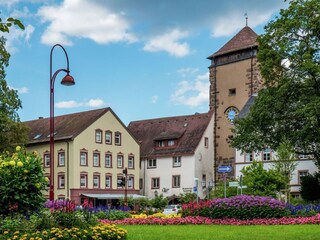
170	209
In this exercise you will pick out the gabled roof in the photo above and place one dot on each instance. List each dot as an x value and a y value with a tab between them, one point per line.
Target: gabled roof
246	108
66	126
244	39
187	129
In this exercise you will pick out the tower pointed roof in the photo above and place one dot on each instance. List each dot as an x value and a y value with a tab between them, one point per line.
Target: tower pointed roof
244	39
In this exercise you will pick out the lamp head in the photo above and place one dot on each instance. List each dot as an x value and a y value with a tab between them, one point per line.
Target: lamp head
68	80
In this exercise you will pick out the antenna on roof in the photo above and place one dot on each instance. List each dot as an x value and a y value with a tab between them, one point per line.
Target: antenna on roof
246	15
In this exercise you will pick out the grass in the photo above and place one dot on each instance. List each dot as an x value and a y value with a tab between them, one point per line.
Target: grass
225	232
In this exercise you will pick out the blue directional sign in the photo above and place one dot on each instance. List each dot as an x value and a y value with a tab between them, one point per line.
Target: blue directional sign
224	169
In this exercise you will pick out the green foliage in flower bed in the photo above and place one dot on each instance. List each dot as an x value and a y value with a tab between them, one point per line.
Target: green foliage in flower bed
238	207
112	214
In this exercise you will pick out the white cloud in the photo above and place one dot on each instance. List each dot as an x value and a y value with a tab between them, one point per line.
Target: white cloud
154	99
192	93
169	42
83	19
16	35
73	104
21	90
187	71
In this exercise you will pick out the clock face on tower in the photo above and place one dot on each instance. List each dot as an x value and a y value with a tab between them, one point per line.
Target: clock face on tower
231	113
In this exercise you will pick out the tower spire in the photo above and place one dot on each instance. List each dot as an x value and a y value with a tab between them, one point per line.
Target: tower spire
246	15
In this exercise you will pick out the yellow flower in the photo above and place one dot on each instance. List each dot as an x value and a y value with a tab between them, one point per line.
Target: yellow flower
46	179
38	185
12	163
26	171
19	164
18	148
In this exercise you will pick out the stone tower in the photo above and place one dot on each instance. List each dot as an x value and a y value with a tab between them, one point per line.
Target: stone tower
234	77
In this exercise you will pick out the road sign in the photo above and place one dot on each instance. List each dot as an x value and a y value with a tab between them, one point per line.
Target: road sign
233	184
195	189
224	169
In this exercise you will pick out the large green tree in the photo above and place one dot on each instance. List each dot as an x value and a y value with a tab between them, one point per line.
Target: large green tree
12	132
288	106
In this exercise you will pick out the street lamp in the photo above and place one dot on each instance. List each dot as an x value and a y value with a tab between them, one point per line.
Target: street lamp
67	81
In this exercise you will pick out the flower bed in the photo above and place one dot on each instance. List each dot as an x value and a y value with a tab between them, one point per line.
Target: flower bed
240	207
102	231
204	220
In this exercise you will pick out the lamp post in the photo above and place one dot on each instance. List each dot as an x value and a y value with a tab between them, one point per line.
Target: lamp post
67	81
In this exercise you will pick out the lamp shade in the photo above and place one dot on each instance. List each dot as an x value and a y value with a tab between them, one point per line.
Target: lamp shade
68	80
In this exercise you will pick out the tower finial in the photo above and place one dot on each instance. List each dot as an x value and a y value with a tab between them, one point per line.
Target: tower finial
246	15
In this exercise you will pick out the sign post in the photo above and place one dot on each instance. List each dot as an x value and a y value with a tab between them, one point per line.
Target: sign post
225	170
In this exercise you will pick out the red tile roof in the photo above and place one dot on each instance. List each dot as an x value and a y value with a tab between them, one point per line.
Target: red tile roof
187	129
244	39
66	126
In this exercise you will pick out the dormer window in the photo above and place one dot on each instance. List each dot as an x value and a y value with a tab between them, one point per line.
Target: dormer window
171	143
161	144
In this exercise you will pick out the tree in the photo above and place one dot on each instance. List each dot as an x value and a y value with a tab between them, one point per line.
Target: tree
22	182
310	187
285	163
288	106
12	132
262	182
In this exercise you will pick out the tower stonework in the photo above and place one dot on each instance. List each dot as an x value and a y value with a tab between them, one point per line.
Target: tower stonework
234	77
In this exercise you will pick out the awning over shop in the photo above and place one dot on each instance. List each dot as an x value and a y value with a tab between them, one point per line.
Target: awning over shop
111	196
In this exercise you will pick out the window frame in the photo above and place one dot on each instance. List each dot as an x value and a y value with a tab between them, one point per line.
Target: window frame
122	160
154	160
110	181
61	180
96	153
61	153
96	176
176	158
105	160
299	175
98	131
266	152
132	157
174	181
251	156
86	157
117	138
85	175
155	183
109	138
206	142
130	178
46	156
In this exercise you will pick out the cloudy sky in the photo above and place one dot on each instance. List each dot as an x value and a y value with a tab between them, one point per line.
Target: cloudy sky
144	59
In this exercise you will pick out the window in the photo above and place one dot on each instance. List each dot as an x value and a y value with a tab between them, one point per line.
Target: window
96	159
120	181
140	183
301	174
108	182
171	143
83	159
117	138
248	157
176	181
98	136
131	162
119	161
206	142
161	144
108	135
61	159
232	92
176	161
108	160
83	180
155	183
152	163
46	158
266	155
96	181
61	181
130	182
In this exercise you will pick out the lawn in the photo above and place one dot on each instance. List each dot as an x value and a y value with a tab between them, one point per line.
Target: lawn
217	232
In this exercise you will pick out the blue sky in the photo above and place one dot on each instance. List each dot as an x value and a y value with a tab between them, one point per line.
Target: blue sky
144	59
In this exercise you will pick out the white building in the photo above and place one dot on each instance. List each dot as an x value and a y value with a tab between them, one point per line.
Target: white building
176	152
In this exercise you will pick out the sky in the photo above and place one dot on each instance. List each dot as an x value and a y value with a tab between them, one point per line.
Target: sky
144	59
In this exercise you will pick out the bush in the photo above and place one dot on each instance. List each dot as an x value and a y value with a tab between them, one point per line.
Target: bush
22	182
117	215
238	207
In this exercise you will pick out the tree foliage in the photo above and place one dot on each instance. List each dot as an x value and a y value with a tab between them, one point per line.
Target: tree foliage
310	187
22	181
288	106
12	132
262	182
6	25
